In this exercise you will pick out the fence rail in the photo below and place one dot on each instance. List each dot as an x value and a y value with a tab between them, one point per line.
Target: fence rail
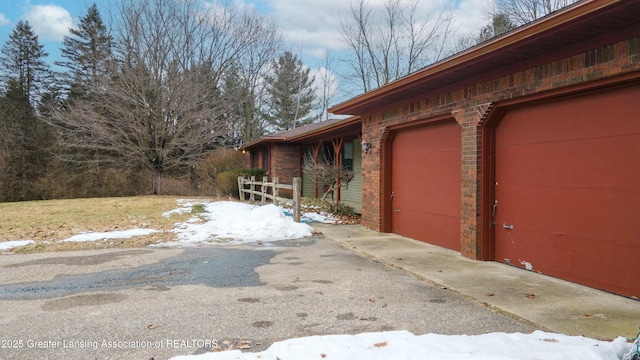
270	191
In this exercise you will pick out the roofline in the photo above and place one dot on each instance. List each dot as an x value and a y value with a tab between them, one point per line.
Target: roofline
346	122
335	125
528	30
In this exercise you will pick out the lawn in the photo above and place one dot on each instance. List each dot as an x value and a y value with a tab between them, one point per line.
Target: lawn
47	222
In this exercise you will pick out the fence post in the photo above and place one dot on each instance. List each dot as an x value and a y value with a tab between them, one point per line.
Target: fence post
276	181
264	190
252	196
241	188
296	198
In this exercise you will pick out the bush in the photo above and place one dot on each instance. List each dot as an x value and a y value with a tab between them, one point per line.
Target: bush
341	209
205	174
227	181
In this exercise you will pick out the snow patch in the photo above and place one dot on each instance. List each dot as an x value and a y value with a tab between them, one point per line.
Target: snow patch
237	223
8	245
405	345
122	234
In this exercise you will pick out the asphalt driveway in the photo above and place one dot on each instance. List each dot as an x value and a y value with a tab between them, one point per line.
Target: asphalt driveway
157	303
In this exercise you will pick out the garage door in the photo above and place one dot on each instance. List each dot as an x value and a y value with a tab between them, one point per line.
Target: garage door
568	189
425	184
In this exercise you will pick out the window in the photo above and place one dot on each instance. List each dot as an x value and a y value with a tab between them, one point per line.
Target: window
265	159
347	155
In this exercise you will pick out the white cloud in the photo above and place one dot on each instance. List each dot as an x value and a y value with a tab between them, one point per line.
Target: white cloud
315	26
3	20
471	15
49	22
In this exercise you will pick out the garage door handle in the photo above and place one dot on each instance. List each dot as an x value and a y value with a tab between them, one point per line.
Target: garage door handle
391	197
510	227
397	210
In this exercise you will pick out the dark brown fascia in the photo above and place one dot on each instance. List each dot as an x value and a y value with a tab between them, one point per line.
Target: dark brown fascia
325	130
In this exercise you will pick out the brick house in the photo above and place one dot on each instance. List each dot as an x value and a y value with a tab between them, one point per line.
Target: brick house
524	149
282	154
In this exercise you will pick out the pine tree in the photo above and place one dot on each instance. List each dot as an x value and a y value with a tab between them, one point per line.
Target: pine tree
290	94
22	62
500	24
25	138
88	55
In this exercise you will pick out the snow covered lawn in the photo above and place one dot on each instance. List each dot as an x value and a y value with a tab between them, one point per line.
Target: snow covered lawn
235	223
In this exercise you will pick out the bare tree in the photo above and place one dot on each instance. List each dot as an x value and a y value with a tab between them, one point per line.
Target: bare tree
393	41
247	85
161	107
326	86
324	171
520	12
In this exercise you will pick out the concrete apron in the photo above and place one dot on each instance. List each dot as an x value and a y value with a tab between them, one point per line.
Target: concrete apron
552	304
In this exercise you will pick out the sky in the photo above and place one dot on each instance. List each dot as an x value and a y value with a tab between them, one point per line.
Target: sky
231	223
311	28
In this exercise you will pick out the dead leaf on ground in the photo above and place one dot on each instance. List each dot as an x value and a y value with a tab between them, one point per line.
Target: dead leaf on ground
380	344
323	355
550	340
152	326
490	294
530	295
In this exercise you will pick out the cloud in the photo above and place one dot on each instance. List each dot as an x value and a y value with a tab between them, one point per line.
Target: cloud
3	20
315	26
49	22
471	15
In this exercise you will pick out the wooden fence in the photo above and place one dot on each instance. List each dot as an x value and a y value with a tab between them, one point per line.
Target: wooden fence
270	191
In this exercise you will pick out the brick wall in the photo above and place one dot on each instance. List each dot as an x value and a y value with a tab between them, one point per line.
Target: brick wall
469	106
285	162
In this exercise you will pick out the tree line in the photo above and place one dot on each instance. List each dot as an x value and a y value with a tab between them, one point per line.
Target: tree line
169	84
149	99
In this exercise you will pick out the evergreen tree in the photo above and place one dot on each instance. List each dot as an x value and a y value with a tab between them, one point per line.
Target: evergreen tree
22	62
25	141
290	94
245	123
500	24
87	54
25	138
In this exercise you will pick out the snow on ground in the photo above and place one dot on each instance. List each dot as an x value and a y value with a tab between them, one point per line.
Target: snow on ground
8	245
404	345
120	234
236	223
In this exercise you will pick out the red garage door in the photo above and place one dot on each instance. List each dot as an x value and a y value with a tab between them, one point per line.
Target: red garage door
568	189
425	183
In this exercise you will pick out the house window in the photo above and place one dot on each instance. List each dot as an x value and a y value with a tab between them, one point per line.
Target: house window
347	155
265	160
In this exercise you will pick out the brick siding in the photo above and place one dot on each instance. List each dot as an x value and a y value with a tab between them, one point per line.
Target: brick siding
285	162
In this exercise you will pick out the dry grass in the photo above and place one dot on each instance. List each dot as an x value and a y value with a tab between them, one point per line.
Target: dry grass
48	222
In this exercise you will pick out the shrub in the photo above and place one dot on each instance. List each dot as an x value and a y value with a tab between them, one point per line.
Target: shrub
227	181
205	173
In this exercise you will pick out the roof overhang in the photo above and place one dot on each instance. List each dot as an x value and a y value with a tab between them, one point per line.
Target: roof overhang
350	126
572	28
